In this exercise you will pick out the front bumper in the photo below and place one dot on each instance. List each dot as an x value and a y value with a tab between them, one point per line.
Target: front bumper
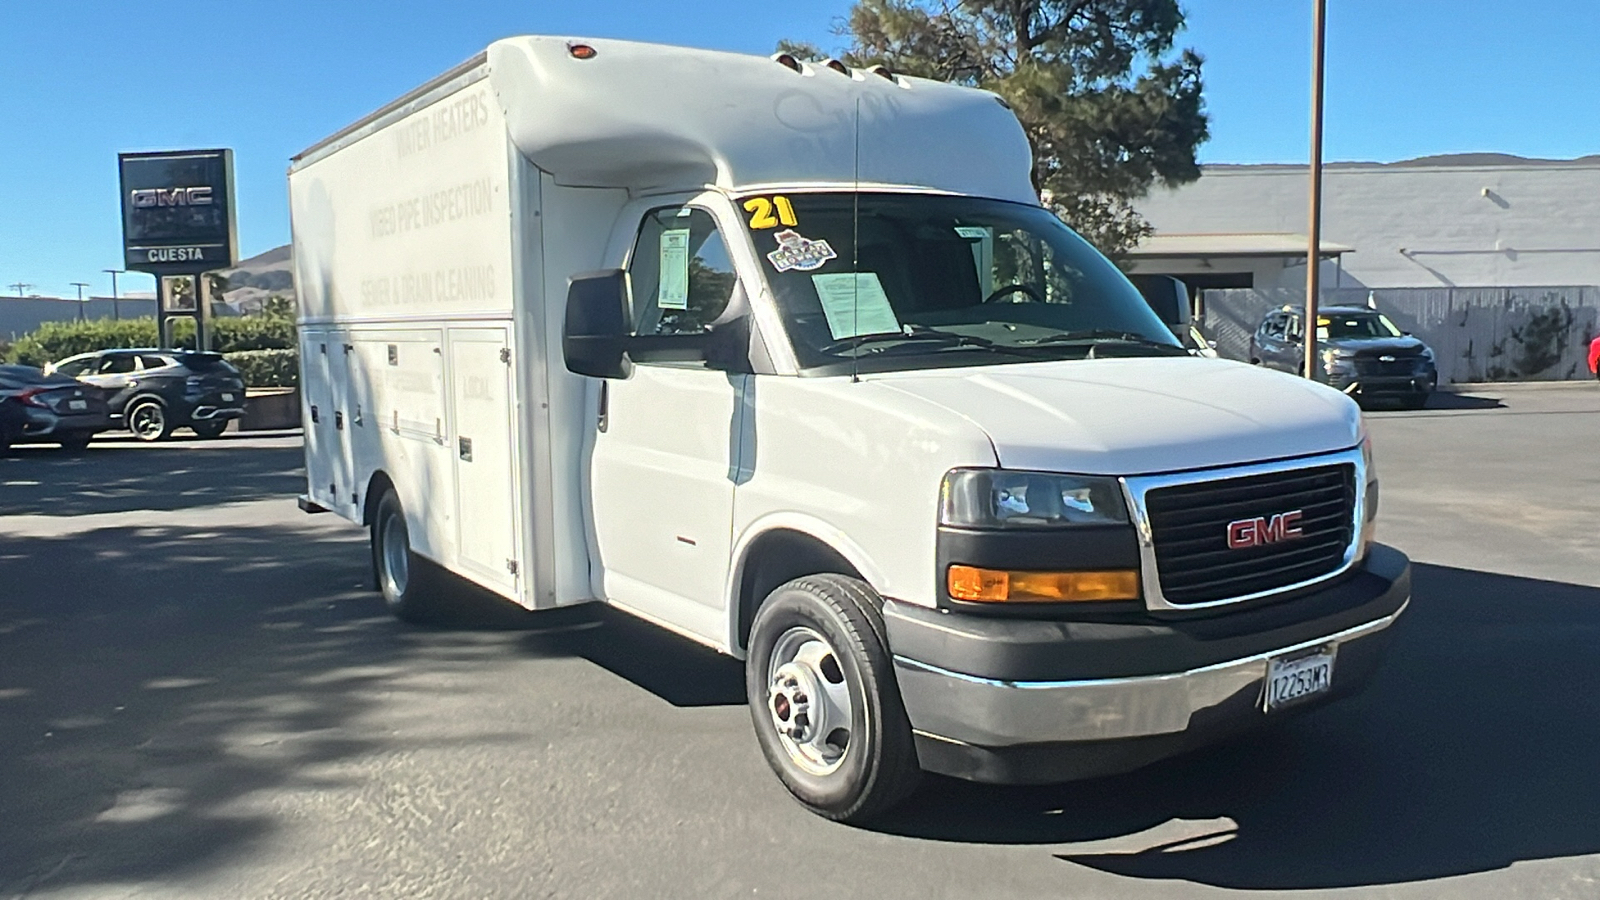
1386	385
1033	701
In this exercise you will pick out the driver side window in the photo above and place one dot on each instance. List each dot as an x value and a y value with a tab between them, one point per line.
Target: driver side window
681	277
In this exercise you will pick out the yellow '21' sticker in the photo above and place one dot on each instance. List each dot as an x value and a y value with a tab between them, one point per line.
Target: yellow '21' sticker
761	212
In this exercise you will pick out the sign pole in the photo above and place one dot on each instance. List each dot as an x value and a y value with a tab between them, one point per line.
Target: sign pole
1314	250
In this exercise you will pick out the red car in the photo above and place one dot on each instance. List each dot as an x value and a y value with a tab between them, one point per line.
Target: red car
1594	357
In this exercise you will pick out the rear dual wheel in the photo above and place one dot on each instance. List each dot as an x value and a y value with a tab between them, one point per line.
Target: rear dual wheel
824	699
399	572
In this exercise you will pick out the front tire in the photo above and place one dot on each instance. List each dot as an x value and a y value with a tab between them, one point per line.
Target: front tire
824	699
148	421
75	443
399	575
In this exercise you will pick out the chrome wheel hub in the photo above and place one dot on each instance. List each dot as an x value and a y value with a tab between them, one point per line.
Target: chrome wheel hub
396	555
809	701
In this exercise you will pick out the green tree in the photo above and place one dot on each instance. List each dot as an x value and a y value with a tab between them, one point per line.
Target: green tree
1109	107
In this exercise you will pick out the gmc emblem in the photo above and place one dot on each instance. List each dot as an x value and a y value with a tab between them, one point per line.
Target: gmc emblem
145	198
1246	533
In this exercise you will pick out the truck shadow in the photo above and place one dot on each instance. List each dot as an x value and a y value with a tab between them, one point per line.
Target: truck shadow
154	678
122	475
679	671
1473	749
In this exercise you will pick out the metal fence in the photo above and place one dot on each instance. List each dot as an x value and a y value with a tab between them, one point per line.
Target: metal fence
1477	334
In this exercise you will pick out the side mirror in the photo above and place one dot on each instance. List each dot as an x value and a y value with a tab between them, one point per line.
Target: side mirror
594	339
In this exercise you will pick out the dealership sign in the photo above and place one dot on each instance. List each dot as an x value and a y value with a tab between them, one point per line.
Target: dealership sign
177	211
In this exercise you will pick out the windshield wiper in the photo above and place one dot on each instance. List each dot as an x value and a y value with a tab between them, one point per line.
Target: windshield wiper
1105	335
921	333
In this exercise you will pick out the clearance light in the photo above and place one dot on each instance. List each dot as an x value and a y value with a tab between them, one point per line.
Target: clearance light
836	65
999	586
788	61
581	51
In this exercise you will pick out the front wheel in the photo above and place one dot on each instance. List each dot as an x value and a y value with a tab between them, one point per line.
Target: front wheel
148	421
824	699
210	428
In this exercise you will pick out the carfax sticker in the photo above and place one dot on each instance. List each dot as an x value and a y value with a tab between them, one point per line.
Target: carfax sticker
797	252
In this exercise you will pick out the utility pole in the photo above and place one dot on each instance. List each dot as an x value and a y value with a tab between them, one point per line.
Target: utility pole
1314	251
116	311
80	285
20	287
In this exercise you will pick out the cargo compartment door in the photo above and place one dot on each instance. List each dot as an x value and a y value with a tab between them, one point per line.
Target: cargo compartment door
483	445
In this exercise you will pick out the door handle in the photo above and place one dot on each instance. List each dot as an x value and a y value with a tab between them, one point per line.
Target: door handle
604	421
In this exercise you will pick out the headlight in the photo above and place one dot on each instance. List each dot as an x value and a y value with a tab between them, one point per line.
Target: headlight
1332	362
998	498
1371	512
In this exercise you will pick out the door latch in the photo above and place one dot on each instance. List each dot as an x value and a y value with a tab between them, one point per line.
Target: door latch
338	420
314	418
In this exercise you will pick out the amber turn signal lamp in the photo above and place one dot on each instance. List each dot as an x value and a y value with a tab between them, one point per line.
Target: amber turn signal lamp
999	586
581	51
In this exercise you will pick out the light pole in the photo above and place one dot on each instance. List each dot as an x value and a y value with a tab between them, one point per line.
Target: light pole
1314	250
20	287
116	311
80	285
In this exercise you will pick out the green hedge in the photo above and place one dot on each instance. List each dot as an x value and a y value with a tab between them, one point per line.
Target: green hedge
267	368
57	340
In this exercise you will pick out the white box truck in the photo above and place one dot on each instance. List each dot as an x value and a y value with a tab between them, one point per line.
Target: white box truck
786	357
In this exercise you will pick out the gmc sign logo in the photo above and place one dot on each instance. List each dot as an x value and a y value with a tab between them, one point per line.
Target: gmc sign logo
145	198
1260	531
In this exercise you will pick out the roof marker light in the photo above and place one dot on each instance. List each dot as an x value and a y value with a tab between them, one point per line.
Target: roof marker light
881	71
836	65
581	51
788	61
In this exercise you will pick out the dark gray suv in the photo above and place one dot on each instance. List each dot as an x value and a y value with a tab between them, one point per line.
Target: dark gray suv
153	392
1360	352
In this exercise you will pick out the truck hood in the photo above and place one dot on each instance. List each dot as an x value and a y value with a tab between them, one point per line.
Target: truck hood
1399	346
1139	416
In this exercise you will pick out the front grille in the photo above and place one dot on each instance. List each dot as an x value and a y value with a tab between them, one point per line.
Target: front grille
1189	526
1405	365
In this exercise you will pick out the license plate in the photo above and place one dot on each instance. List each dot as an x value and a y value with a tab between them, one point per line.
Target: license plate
77	404
1292	680
227	397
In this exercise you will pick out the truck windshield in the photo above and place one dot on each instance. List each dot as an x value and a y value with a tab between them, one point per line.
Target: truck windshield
879	282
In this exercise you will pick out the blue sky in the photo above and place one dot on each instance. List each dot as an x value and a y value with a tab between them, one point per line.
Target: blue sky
81	80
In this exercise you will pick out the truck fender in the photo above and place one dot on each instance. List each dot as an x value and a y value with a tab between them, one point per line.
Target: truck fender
832	550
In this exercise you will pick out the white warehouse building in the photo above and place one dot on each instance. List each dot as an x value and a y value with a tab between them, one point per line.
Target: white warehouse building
1493	260
1468	220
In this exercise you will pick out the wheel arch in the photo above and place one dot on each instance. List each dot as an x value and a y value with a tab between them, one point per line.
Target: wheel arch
142	396
379	484
781	549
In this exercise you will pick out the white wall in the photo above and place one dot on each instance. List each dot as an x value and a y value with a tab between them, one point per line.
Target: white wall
1410	225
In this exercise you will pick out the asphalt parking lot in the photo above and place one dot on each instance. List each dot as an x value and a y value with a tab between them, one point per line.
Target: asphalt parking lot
200	697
